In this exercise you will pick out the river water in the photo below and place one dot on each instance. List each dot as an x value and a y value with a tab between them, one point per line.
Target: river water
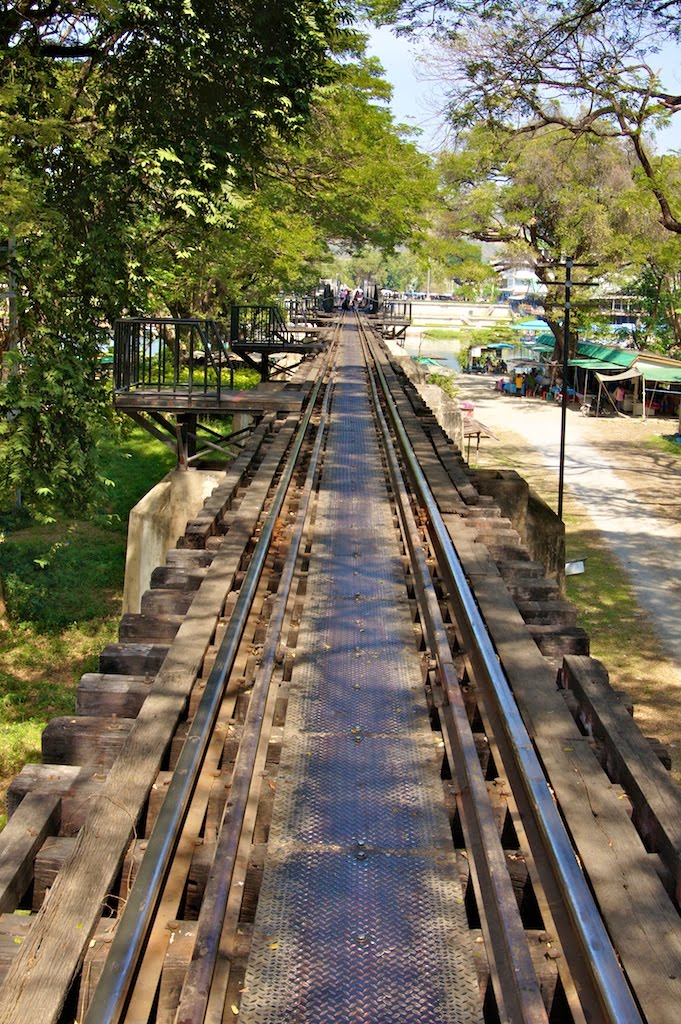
446	352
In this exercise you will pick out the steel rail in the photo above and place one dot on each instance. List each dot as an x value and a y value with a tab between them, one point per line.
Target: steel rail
617	1003
195	994
108	1002
516	988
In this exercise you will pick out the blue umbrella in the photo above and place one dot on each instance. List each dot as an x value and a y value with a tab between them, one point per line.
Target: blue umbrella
530	325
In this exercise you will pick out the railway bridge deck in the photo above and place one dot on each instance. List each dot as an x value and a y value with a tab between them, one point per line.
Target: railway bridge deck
350	762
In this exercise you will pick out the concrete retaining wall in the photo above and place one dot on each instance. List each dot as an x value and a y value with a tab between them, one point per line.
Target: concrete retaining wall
157	521
540	529
460	314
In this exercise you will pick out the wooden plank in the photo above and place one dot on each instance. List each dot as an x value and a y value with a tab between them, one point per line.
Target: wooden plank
655	797
475	558
76	787
37	817
532	589
177	578
140	628
255	401
89	740
205	524
164	601
642	920
531	678
133	659
547	612
556	641
108	694
186	558
39	980
48	863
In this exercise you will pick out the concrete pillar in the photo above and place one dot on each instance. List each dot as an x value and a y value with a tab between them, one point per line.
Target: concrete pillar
157	521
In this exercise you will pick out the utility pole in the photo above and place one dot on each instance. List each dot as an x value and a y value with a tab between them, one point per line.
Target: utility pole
564	391
569	265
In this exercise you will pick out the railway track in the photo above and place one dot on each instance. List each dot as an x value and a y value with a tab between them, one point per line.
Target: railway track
351	762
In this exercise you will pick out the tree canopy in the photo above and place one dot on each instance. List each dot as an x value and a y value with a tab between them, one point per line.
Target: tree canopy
590	66
172	156
546	196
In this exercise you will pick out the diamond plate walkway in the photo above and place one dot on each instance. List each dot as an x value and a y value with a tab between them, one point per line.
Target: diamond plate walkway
361	916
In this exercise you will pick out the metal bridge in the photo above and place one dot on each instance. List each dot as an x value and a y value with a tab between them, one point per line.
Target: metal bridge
350	762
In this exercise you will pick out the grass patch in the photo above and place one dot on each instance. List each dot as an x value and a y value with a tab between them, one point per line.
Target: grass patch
441	334
134	465
665	443
62	586
621	635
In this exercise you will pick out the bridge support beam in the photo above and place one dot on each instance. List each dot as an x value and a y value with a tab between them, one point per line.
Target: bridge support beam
186	439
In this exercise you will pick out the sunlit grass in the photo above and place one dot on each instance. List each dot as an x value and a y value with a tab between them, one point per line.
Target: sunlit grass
62	587
441	334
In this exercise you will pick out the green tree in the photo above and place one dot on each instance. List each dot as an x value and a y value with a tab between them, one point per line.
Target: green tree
544	197
589	66
350	180
659	289
120	125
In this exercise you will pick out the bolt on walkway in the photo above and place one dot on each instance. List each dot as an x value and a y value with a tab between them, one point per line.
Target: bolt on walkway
361	917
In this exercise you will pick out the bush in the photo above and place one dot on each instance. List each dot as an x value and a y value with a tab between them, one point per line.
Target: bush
444	381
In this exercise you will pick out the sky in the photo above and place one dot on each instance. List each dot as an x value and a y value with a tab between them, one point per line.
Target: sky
415	100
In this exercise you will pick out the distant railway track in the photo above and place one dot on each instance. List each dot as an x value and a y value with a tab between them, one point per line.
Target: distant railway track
350	762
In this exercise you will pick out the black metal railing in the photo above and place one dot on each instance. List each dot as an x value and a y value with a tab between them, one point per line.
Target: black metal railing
395	311
301	309
171	355
261	326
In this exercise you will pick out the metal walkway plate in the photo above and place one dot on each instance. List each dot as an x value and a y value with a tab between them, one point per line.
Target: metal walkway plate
360	918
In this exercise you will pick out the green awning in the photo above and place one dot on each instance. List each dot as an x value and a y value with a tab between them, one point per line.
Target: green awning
530	325
606	353
541	346
591	364
653	371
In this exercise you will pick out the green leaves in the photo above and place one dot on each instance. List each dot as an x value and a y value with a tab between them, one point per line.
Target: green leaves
129	137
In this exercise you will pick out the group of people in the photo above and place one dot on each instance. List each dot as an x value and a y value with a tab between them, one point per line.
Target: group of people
526	383
351	299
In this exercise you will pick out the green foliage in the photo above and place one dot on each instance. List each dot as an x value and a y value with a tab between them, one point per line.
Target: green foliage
173	158
349	178
445	381
65	573
126	131
54	409
589	69
544	196
62	585
133	461
658	287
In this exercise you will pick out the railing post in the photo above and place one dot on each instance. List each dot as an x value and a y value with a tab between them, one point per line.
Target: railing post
234	324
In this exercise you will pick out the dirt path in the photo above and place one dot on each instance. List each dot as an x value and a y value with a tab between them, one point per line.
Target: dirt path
621	486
